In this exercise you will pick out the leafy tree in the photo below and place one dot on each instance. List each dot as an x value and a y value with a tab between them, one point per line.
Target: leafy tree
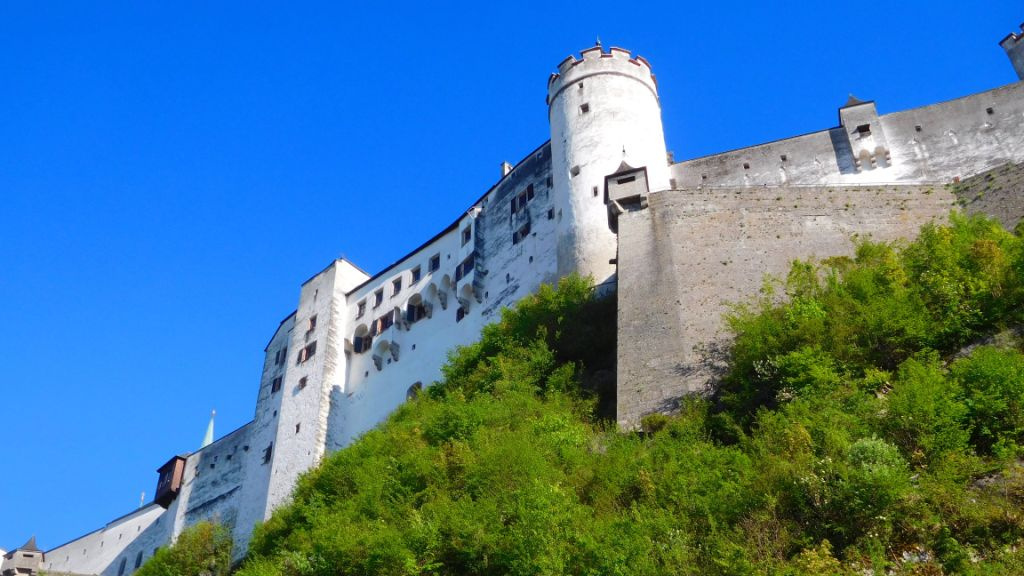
203	549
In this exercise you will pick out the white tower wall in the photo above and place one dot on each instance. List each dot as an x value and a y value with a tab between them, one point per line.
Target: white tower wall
604	111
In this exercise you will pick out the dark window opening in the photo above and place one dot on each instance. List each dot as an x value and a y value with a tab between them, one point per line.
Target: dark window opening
584	108
311	326
396	286
467	235
138	560
746	166
435	263
520	234
464	268
298	427
275	385
302	383
595	191
121	566
361	344
413	391
783	158
378	298
551	213
307	352
864	130
917	128
625	180
416	312
989	111
361	309
416	275
268	452
383	323
460	314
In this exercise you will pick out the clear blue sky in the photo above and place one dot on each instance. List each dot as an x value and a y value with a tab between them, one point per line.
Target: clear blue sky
170	172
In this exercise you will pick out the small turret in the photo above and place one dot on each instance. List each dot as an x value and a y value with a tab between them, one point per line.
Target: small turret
1014	47
25	559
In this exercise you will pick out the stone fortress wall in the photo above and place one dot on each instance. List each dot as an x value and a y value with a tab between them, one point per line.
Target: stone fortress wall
690	236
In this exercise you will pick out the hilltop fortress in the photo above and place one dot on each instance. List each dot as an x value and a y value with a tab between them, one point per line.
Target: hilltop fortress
601	198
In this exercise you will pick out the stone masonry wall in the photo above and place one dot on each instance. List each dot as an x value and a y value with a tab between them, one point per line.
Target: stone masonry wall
690	253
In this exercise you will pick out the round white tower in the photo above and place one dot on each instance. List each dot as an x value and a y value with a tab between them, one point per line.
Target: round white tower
604	112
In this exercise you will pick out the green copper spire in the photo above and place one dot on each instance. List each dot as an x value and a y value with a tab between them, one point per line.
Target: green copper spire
208	439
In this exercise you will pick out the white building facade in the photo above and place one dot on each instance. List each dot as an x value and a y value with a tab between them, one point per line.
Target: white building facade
357	346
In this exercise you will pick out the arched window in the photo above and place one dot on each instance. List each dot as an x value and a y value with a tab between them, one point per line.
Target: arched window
363	340
413	391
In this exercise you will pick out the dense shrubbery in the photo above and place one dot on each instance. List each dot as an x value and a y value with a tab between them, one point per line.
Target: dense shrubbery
850	433
201	550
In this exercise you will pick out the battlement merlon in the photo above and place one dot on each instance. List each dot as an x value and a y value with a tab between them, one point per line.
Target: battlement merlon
596	61
1011	39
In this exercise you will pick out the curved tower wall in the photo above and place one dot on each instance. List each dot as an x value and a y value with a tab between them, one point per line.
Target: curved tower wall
604	111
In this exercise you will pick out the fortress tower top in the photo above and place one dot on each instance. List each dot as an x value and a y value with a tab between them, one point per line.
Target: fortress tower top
596	61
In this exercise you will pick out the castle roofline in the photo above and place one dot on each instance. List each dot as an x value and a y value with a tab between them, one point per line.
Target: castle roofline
140	510
334	262
908	110
448	228
279	324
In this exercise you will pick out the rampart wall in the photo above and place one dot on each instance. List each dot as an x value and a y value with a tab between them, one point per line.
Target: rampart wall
934	143
691	253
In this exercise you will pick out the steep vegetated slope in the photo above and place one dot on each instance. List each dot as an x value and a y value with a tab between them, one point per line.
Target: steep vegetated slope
857	429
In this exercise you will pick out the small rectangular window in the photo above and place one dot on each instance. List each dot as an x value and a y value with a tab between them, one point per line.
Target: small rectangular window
361	309
435	263
864	130
464	268
384	322
416	275
396	286
529	192
378	298
298	427
307	352
460	314
268	452
989	111
551	213
467	235
361	344
275	385
311	325
521	234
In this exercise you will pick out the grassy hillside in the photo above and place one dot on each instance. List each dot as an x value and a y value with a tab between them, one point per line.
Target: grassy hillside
856	430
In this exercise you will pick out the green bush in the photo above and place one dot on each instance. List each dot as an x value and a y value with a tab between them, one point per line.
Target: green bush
203	549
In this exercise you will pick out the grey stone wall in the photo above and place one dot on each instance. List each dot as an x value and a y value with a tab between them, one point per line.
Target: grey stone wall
691	253
998	192
935	143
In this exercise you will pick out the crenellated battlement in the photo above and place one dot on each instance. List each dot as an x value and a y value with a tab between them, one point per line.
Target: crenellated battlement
596	61
1012	38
